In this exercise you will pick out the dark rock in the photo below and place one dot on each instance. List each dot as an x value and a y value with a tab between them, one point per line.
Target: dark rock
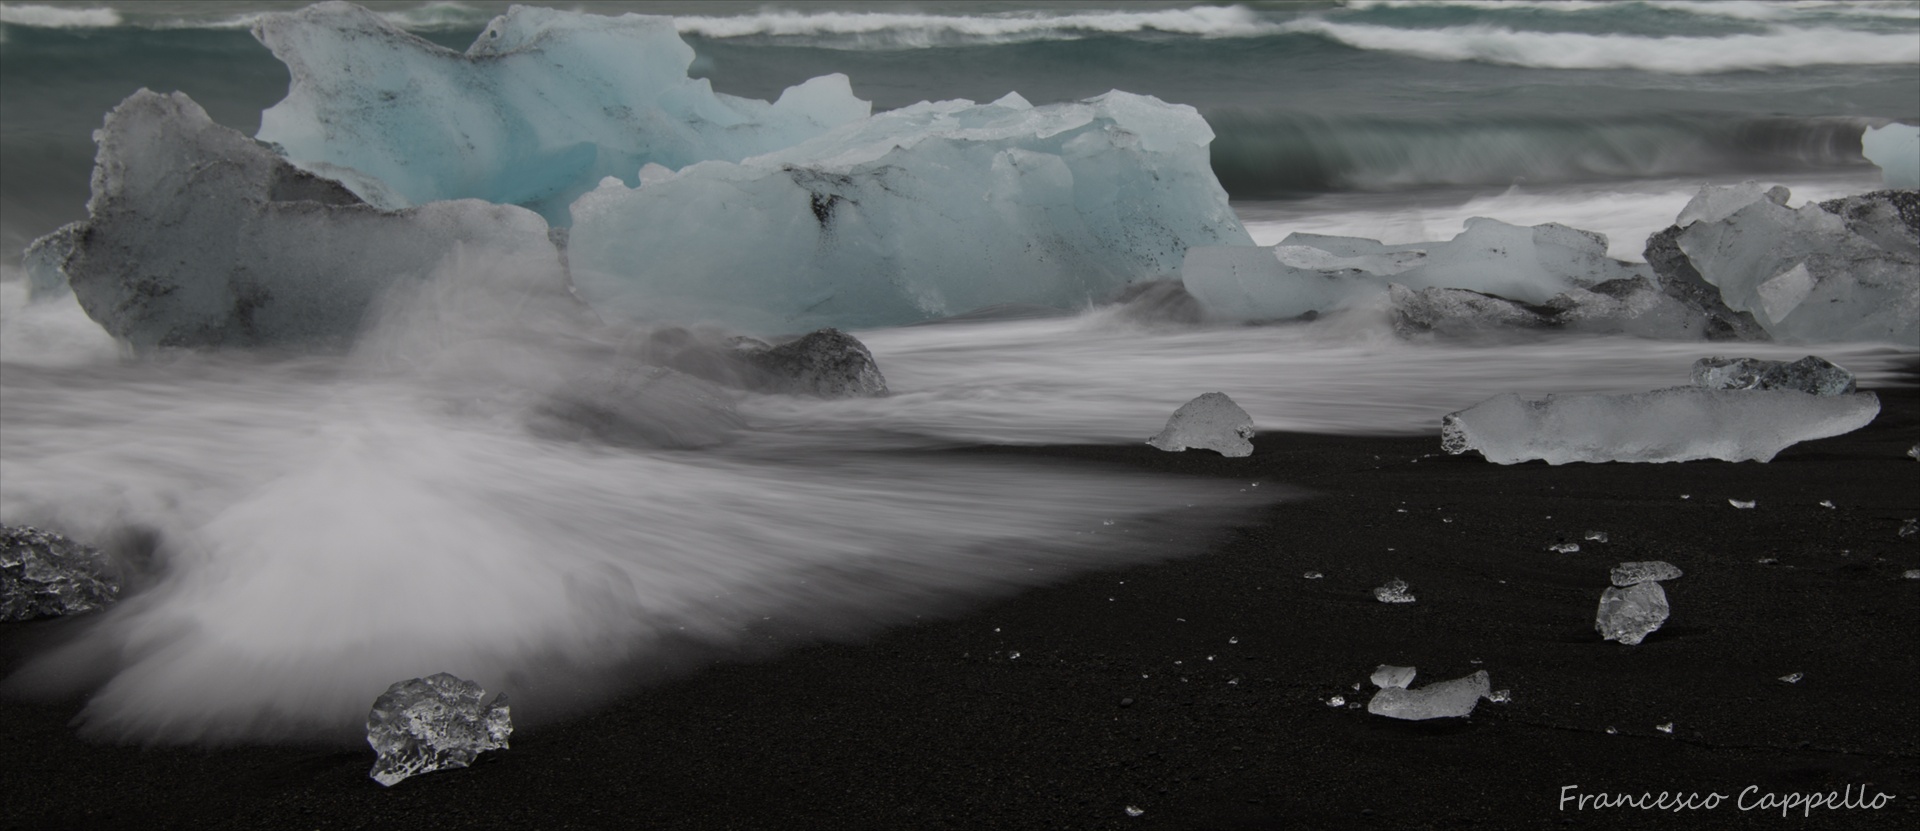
43	574
828	363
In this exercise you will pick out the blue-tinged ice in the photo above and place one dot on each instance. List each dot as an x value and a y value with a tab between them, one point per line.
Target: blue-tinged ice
540	108
927	211
198	236
1896	149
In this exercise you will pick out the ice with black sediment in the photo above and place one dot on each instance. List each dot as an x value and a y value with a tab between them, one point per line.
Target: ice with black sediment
43	574
1455	698
1209	422
1667	425
1647	571
1811	374
434	723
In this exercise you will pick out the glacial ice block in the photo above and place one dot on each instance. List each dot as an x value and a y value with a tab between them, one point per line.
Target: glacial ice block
1668	425
1812	374
1630	614
198	236
1443	699
47	575
540	108
922	212
1895	148
1807	274
434	723
1209	422
1388	676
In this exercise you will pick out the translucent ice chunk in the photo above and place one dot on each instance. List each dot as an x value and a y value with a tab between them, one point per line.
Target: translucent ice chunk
1715	203
46	575
1628	615
1597	536
433	723
1910	528
1337	701
1630	574
1664	728
1811	374
1387	676
540	108
1793	677
1209	422
1910	574
1914	451
1896	149
1669	425
1745	504
1395	591
1445	699
1565	548
1312	575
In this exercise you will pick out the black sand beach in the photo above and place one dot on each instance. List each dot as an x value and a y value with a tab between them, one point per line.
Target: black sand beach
1195	690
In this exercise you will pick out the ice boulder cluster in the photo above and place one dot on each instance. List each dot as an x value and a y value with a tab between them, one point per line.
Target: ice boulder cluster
1443	699
434	723
1209	422
43	574
1636	605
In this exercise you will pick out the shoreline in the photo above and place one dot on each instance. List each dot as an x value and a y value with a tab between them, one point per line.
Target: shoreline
936	725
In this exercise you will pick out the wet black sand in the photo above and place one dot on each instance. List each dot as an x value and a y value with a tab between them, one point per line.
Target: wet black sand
1130	690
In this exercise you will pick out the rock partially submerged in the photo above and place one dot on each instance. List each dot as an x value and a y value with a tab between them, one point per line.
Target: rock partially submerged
1667	425
1812	374
828	363
1444	699
43	574
1209	422
434	723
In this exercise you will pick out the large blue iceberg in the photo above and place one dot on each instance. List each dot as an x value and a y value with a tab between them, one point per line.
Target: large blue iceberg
538	110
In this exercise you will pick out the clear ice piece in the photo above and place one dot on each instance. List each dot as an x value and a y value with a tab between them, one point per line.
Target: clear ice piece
1445	699
433	723
1628	615
1209	422
1895	148
1664	728
1597	536
1812	374
1395	591
1793	677
1668	425
1312	575
1337	701
43	574
1743	504
1388	676
1909	528
1500	696
1914	451
1134	811
1910	574
1565	548
1646	571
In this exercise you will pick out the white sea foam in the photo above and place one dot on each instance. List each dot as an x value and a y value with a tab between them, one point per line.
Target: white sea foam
56	17
910	30
1761	10
1678	55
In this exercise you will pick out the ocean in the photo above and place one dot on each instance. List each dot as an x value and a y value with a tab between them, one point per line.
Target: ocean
302	530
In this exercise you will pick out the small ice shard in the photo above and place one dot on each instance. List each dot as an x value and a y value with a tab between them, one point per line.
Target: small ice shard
1910	574
1628	615
1743	504
433	723
46	575
1667	425
1914	451
1500	696
1597	536
1768	561
1312	575
1395	591
1133	811
1649	571
1613	731
1445	699
1209	422
1387	676
1793	677
1664	728
1565	548
1811	374
1337	701
1826	503
1910	528
1895	148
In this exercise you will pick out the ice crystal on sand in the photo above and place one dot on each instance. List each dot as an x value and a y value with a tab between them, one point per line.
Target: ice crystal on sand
1648	571
434	723
1629	615
1209	422
1445	699
1395	591
1667	425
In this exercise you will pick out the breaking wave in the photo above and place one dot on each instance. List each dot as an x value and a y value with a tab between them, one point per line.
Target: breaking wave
54	17
906	30
1755	10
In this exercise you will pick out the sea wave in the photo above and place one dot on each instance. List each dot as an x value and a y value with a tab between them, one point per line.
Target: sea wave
53	17
910	30
1683	55
1757	10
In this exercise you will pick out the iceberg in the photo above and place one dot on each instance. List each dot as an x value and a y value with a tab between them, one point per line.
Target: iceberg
1895	148
540	108
918	213
47	575
1443	699
434	723
1209	422
198	236
1630	614
1812	374
1668	425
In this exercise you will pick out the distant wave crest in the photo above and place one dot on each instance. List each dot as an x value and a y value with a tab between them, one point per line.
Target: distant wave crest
52	17
908	30
1572	50
1736	9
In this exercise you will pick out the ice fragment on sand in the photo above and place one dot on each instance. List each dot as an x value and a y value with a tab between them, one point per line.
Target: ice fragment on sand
1597	536
1628	615
1209	422
46	575
1895	148
1914	451
1387	675
1811	374
1664	728
540	108
1668	425
927	211
1337	701
433	723
1649	571
1445	699
1134	812
1910	574
1744	504
1312	575
198	236
1395	591
1910	528
1565	548
1793	677
1500	696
